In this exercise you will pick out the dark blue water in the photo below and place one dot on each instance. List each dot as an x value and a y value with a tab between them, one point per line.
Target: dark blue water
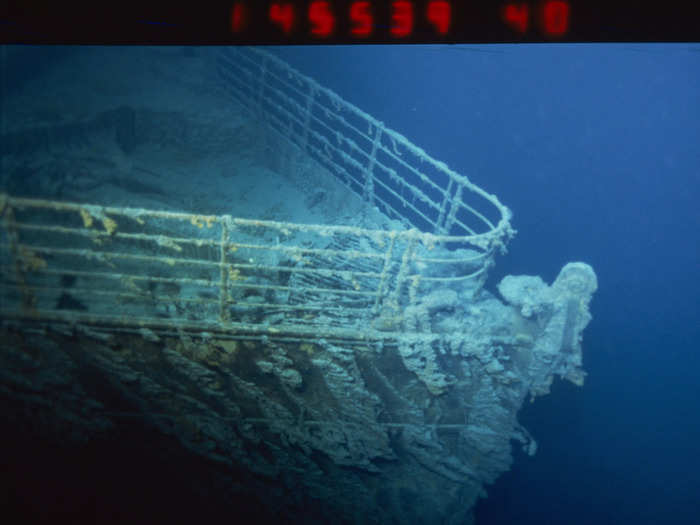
596	149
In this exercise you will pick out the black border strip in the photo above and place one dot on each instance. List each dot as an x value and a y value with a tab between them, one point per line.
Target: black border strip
206	23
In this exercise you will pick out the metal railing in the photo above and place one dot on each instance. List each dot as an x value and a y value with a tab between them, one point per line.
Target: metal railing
164	272
373	161
151	270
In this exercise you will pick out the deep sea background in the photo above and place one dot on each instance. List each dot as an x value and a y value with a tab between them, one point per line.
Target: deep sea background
596	149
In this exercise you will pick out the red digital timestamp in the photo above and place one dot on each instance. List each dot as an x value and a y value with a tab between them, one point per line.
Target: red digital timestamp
361	18
322	17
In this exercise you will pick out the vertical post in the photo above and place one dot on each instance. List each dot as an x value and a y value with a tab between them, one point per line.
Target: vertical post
307	116
443	208
368	190
402	275
385	272
450	219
